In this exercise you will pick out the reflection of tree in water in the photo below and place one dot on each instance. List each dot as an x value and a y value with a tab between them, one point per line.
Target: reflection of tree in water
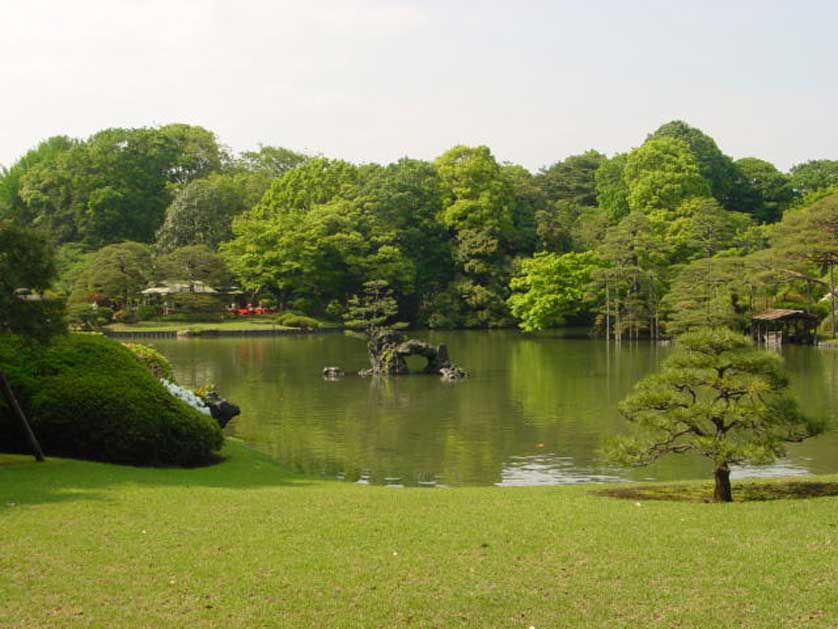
523	391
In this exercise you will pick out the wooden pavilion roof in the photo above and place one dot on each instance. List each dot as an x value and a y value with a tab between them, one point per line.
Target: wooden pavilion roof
779	314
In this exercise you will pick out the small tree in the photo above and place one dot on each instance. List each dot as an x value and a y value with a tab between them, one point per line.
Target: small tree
27	261
718	396
369	315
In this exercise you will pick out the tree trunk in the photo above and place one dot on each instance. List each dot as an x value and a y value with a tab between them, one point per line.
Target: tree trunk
6	390
722	492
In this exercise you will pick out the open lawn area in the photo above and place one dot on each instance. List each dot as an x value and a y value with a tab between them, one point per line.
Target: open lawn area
245	543
232	324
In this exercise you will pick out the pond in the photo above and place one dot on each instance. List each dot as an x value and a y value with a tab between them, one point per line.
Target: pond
534	410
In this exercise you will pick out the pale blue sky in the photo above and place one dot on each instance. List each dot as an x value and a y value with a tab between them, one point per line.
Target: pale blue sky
374	80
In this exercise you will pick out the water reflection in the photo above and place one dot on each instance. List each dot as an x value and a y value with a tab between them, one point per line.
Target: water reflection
534	411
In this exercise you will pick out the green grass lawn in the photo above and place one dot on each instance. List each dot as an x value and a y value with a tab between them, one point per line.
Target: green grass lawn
232	324
245	543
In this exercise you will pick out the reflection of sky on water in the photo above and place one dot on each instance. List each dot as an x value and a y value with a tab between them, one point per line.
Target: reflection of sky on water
551	469
547	469
783	467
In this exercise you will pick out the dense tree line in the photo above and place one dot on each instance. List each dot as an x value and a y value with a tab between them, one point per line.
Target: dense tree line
668	235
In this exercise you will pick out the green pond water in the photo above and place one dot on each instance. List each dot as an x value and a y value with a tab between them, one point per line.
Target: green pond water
533	411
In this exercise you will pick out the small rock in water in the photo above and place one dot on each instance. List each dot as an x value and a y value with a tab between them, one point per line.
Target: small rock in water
452	373
332	373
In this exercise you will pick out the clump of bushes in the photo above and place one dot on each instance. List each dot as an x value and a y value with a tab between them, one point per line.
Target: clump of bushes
88	397
85	316
157	364
294	320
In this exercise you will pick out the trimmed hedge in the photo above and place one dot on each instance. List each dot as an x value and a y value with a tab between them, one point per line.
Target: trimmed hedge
293	320
89	397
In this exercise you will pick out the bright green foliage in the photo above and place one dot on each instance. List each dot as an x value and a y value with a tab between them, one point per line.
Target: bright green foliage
293	320
88	397
572	179
761	190
717	396
716	167
202	211
405	197
311	236
322	254
611	189
814	175
27	262
114	186
661	174
478	208
312	183
11	179
157	364
195	263
272	160
550	287
117	274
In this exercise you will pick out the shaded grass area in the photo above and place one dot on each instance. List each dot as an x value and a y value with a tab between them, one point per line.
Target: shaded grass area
743	491
246	543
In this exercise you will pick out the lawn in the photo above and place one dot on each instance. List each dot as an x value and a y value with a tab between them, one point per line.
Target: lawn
245	543
230	324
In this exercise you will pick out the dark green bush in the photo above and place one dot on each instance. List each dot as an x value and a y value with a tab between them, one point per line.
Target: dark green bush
144	313
88	397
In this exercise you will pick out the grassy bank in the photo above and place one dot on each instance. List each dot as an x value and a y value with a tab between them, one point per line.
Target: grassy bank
234	325
245	543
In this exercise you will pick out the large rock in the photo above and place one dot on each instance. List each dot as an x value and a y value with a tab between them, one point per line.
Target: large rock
388	350
220	409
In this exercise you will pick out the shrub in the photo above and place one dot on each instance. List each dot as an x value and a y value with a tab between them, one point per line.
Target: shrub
198	303
124	316
144	313
157	364
88	397
292	320
86	317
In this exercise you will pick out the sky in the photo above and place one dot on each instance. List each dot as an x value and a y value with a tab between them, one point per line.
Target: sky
375	80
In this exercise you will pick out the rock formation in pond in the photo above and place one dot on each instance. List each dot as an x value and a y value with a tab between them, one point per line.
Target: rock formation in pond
388	350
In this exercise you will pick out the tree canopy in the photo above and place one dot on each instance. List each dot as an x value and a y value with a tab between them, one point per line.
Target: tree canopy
455	238
716	396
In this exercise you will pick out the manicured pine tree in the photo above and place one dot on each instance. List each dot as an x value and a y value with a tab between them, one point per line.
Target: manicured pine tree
718	396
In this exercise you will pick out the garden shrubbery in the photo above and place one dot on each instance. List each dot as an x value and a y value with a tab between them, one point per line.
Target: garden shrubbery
293	320
88	397
157	364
